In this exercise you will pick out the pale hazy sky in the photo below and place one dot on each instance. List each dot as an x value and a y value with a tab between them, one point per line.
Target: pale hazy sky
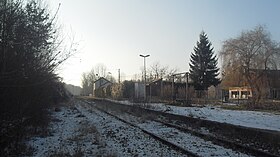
115	32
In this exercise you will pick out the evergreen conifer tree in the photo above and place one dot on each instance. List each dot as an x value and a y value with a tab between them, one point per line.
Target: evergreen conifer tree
203	64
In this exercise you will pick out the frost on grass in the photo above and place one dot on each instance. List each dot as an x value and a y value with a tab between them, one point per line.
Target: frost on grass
71	135
123	139
80	130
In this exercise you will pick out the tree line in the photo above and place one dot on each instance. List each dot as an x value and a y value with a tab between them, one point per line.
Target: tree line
30	52
249	60
246	59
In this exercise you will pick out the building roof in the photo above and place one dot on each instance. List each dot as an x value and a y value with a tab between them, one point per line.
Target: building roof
101	79
101	82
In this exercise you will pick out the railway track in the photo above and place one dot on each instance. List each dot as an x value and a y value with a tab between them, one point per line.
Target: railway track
224	142
163	140
154	136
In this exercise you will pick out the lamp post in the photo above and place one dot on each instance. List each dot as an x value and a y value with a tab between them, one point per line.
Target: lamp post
144	56
119	72
187	88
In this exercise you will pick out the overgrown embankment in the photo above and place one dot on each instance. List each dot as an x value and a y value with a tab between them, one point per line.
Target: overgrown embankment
30	52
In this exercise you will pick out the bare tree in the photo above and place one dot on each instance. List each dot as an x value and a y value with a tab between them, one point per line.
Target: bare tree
85	84
88	79
251	54
136	77
91	78
169	74
232	76
101	70
158	71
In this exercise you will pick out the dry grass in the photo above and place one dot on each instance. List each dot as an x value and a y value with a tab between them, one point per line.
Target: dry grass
78	153
85	131
148	117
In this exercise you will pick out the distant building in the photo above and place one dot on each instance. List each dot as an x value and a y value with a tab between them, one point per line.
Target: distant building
139	89
167	90
100	84
269	82
273	82
236	93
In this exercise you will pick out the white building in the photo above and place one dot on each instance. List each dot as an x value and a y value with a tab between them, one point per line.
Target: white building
240	92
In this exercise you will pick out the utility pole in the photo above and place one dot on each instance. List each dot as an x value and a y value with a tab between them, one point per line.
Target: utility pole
173	93
144	56
119	71
187	88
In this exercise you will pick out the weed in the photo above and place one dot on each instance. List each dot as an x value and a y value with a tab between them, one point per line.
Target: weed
78	153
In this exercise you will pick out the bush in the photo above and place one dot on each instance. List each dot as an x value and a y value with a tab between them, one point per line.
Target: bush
128	89
29	55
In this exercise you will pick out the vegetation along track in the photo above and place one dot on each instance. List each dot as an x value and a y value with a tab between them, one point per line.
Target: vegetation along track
252	141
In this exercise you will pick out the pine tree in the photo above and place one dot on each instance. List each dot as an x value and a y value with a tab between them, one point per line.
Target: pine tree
203	64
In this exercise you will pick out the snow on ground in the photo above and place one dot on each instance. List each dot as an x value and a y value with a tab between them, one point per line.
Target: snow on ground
82	130
71	134
190	142
79	129
187	141
123	139
254	119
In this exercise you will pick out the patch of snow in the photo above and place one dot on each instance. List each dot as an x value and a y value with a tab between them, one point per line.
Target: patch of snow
93	133
190	142
253	119
123	139
64	130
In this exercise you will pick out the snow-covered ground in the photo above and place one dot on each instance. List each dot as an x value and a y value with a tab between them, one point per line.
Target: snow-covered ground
79	130
185	140
123	139
71	133
254	119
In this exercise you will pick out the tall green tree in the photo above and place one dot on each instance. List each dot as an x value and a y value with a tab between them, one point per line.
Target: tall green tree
203	64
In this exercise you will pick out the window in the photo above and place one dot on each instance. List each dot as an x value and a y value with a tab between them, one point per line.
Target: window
275	94
245	94
234	94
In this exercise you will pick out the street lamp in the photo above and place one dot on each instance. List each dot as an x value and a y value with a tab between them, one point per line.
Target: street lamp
144	56
187	88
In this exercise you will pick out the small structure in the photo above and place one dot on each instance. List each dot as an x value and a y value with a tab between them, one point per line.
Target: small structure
160	89
214	92
139	90
100	84
274	84
236	93
268	81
